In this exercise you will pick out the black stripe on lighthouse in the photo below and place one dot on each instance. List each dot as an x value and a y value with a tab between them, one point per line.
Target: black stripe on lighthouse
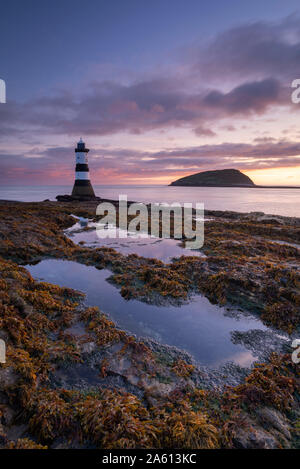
82	167
82	183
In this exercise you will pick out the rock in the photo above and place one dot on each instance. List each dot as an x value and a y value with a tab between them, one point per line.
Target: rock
275	419
8	415
88	347
261	343
4	335
18	301
8	377
269	429
255	438
252	436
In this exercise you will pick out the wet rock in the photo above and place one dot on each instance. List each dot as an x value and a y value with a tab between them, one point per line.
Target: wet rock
88	347
275	419
4	335
8	415
8	378
18	302
255	438
261	343
229	374
75	376
16	431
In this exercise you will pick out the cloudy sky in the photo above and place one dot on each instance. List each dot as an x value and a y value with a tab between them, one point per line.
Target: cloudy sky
158	90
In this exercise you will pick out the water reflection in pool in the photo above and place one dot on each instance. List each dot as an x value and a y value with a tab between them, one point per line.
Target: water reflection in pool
200	328
160	248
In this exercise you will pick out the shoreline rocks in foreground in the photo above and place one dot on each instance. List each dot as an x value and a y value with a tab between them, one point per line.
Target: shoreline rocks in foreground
141	393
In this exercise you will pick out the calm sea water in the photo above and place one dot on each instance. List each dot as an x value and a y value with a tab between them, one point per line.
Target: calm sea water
272	201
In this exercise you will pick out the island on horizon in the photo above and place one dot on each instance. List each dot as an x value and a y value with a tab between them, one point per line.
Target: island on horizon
222	178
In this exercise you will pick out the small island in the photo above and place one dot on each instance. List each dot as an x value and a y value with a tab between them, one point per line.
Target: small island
217	178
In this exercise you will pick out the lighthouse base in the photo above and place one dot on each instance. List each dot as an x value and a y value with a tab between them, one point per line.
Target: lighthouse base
83	188
76	198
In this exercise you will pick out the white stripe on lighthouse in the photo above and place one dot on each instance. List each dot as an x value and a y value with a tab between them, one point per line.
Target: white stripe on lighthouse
82	175
81	157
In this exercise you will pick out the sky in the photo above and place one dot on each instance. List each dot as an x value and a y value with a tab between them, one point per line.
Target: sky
158	90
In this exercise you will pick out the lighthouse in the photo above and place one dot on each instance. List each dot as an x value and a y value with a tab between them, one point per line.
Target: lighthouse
82	185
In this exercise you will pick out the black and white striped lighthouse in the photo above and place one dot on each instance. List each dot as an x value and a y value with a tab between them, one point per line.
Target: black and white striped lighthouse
82	186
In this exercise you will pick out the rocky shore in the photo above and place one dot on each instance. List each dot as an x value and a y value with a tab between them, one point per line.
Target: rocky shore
72	375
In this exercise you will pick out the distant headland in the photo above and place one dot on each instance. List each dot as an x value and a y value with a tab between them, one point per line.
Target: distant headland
222	178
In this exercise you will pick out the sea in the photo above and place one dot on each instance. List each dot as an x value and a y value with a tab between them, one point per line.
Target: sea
268	200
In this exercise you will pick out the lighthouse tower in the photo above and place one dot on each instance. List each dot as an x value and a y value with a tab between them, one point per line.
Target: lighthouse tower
82	186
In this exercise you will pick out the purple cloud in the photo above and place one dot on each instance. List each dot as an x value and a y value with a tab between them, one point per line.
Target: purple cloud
245	71
110	108
257	50
248	97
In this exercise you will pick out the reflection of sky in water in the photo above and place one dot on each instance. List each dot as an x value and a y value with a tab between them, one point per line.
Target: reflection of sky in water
128	243
198	327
